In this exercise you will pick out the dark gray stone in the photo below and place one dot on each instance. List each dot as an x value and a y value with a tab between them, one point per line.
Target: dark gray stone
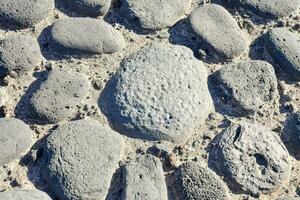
80	159
144	179
15	139
70	36
24	195
284	47
160	93
291	133
215	25
251	157
59	95
196	182
24	13
19	54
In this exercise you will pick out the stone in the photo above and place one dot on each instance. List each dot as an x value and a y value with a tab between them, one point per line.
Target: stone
288	198
80	159
284	47
246	88
58	96
267	8
19	54
156	14
144	179
197	182
291	133
215	25
70	36
24	195
15	139
159	93
252	158
91	8
24	13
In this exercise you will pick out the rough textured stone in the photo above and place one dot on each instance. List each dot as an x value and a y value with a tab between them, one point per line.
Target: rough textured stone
284	46
24	195
144	179
59	95
24	13
92	8
70	36
19	54
159	93
291	133
218	28
289	198
267	8
80	159
251	157
197	182
15	138
246	88
156	14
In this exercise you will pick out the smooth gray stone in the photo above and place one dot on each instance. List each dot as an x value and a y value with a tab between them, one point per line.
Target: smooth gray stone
80	159
15	139
215	25
284	47
24	195
85	36
24	13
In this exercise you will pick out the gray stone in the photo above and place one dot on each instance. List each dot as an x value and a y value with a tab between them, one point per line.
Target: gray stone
291	133
80	159
267	8
160	93
70	36
251	157
92	8
24	13
59	95
247	88
284	46
156	14
196	182
144	179
24	195
15	139
19	54
288	198
218	28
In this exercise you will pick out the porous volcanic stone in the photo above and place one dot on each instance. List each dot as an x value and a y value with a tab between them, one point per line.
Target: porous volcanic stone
160	93
197	182
70	36
59	95
284	46
24	13
15	138
156	14
291	133
252	158
267	8
218	28
144	179
19	54
24	195
246	88
80	159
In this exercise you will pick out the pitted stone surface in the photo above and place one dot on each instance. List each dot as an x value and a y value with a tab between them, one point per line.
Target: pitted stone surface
251	157
284	46
19	54
247	88
160	93
15	139
197	182
59	95
24	195
70	36
156	14
218	28
24	13
80	159
144	179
